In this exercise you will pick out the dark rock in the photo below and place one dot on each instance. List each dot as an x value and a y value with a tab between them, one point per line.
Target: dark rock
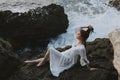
9	61
115	3
99	54
33	28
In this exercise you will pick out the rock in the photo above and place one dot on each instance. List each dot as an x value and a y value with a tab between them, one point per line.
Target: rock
100	54
33	28
9	61
115	3
115	39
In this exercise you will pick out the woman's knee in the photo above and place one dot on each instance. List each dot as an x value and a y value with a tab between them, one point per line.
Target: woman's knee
48	49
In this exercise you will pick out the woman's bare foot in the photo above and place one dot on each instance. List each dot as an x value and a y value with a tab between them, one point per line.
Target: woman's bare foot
33	61
28	61
92	69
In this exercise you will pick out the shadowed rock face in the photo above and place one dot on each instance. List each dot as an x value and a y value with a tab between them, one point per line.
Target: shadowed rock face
9	60
100	54
115	3
115	39
34	27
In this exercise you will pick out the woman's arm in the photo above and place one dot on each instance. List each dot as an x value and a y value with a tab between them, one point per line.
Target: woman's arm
77	29
84	26
89	26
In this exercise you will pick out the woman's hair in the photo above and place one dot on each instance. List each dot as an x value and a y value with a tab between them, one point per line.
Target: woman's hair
85	34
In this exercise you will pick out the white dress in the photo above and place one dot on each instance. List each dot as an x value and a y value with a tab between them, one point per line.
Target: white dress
60	61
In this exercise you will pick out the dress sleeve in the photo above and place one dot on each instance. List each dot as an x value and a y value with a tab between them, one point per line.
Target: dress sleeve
83	58
77	29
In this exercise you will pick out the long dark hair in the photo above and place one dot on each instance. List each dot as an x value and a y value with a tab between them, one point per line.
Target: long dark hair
85	34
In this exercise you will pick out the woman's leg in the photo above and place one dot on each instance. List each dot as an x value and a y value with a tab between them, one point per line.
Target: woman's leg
33	61
45	58
40	59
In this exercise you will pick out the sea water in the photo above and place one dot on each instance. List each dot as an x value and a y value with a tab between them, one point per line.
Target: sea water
97	13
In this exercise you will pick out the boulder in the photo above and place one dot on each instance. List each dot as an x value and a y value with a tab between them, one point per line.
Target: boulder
9	61
100	54
115	39
115	3
33	28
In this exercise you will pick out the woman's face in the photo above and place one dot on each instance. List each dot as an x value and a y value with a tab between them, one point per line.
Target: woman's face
78	35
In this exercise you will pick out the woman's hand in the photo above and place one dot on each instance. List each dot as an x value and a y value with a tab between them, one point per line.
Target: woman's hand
90	27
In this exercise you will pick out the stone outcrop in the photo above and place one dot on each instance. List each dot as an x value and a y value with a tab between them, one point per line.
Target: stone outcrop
115	3
100	54
115	39
33	28
9	61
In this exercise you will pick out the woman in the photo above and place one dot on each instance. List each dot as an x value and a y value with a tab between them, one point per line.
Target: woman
60	61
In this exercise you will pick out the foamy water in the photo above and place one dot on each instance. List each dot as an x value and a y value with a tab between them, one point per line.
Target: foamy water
103	18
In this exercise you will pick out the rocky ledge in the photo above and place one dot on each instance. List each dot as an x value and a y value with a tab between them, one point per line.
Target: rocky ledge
115	39
33	28
100	53
9	60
